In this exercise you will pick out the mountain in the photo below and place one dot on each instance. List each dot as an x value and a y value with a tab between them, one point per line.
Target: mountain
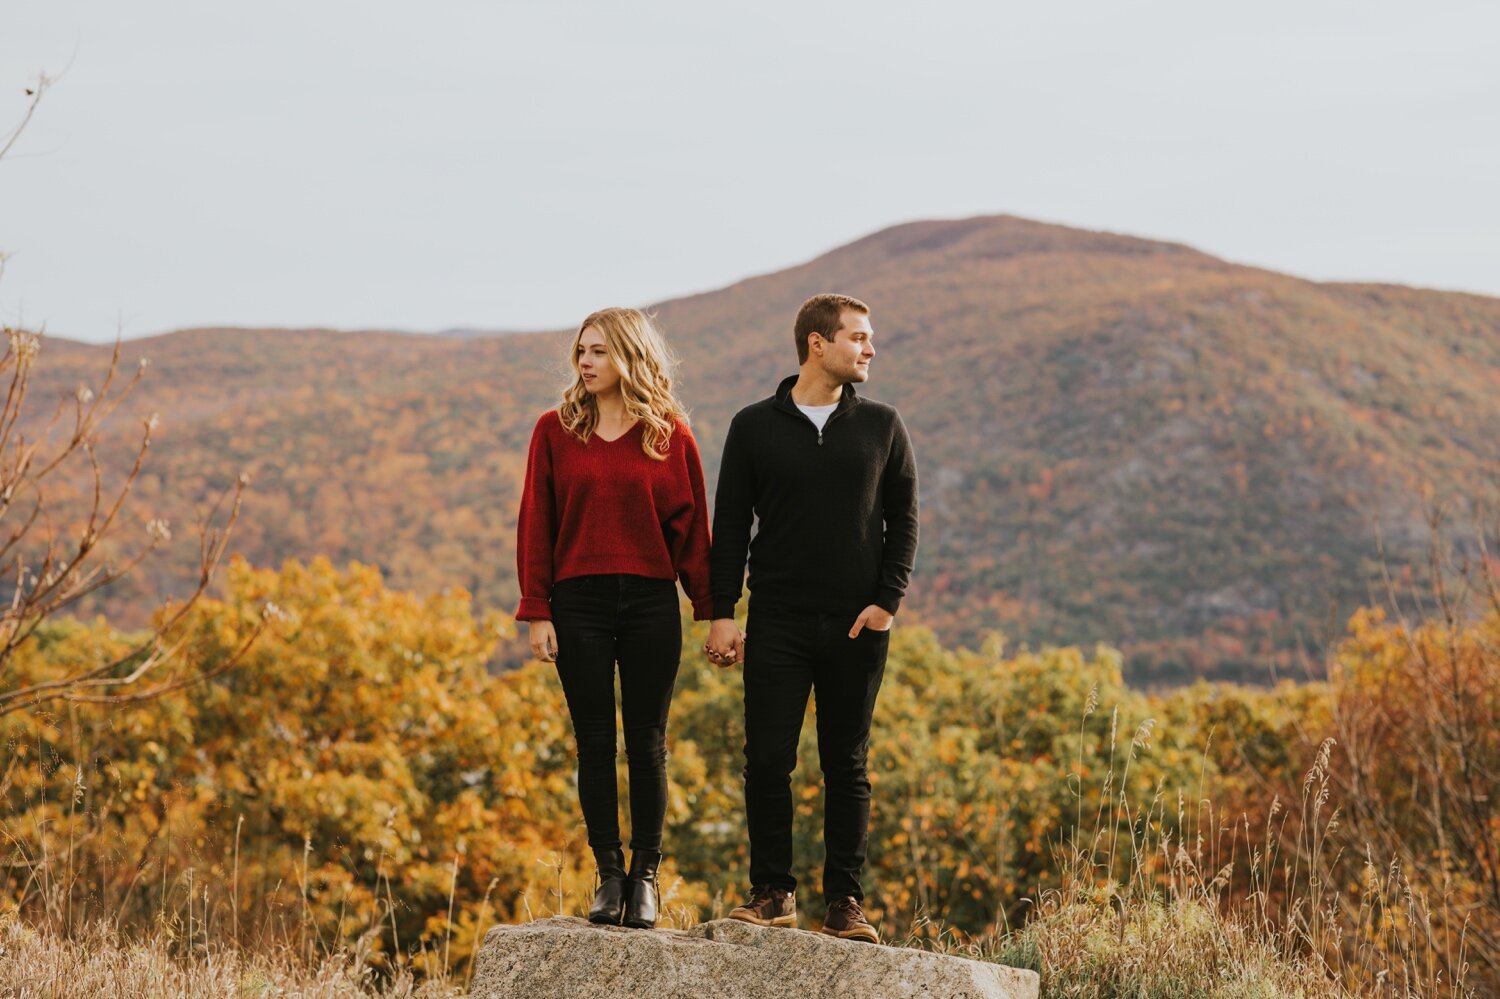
1120	439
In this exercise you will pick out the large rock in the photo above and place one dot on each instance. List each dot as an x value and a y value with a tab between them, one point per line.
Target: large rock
566	958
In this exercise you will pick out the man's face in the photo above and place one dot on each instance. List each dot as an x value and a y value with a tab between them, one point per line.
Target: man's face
846	354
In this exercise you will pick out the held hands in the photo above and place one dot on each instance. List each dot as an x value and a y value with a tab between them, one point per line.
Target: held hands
543	641
872	617
726	643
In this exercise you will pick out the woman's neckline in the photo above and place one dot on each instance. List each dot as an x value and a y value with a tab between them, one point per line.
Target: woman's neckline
623	434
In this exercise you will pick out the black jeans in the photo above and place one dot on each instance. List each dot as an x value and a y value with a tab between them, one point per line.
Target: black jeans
601	620
786	656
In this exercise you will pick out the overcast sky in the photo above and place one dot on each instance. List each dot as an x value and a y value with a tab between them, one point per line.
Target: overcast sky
504	164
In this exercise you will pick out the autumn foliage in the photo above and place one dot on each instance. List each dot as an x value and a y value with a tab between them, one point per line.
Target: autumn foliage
362	779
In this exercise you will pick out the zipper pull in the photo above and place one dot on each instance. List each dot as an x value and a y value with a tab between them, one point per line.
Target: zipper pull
820	438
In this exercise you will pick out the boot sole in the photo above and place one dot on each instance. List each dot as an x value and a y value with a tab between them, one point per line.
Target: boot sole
863	936
778	921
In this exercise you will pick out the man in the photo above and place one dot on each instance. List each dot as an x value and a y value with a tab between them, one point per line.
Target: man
832	482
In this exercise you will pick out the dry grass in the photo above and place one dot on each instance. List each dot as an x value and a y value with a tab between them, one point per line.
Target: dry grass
1158	920
99	963
1090	944
1097	938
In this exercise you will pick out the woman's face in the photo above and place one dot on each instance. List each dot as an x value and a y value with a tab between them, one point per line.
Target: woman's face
600	376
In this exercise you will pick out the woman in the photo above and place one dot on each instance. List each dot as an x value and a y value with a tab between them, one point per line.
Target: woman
613	513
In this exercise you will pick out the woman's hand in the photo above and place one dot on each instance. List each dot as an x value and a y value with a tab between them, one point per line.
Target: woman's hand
726	643
543	641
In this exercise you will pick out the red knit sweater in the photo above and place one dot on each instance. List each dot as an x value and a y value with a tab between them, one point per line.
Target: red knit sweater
604	507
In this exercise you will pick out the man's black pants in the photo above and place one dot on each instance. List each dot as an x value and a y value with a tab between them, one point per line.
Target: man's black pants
635	621
787	655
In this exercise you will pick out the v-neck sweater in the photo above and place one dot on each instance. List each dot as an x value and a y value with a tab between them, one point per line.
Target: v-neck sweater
604	507
834	510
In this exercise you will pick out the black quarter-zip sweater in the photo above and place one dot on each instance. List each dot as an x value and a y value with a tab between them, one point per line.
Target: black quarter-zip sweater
835	512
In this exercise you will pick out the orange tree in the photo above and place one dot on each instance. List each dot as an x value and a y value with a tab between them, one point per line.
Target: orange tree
360	776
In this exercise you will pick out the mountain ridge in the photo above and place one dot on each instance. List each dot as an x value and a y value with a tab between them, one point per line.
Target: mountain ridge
1120	439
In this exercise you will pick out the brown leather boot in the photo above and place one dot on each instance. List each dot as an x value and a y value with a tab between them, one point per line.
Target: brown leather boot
609	900
768	907
846	920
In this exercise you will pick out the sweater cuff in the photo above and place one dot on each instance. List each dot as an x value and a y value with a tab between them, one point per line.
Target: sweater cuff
723	607
888	599
534	609
703	610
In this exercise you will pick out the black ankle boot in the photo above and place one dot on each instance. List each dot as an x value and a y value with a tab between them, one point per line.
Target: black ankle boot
640	889
609	900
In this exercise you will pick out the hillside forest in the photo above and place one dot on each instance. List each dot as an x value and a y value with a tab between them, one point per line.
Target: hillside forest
1207	466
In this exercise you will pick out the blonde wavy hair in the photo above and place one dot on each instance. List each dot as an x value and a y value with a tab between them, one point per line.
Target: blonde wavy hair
645	363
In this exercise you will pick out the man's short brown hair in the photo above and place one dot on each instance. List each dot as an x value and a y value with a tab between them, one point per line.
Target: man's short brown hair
824	315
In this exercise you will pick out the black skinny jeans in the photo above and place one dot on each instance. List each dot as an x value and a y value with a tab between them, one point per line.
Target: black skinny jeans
787	655
635	621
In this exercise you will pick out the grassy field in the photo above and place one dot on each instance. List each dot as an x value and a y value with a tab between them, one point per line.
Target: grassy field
1140	936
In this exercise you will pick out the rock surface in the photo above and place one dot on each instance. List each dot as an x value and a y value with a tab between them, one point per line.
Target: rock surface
567	958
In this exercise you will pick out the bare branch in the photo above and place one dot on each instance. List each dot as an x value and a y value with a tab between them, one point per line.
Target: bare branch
49	575
37	91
